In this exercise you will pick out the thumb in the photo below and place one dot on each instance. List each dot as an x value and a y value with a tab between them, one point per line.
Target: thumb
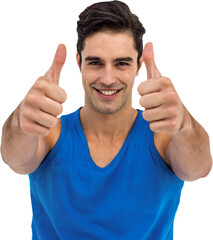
148	58
53	74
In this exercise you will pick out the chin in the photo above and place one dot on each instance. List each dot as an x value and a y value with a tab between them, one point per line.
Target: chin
106	109
110	107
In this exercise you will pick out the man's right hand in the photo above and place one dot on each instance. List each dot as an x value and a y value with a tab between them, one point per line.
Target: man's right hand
43	103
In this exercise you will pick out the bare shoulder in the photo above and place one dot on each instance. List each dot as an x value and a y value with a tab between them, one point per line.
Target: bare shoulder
162	142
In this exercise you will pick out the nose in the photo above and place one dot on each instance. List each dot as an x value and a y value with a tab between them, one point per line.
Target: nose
108	77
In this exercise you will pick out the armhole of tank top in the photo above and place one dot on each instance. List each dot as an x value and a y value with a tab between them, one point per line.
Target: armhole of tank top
157	159
55	149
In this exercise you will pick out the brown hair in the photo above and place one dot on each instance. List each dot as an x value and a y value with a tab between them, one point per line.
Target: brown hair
114	16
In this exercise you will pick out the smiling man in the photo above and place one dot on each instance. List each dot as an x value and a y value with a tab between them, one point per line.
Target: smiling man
106	171
108	69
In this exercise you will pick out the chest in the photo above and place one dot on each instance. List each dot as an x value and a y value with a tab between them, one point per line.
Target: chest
103	153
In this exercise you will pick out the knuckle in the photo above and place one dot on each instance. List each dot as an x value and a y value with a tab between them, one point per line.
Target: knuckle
142	102
32	128
40	84
165	82
26	113
173	97
169	96
173	111
41	131
151	126
25	126
145	115
34	97
63	96
44	132
60	109
174	125
53	122
31	98
139	88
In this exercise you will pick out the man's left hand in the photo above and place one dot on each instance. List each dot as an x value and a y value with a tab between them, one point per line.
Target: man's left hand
163	107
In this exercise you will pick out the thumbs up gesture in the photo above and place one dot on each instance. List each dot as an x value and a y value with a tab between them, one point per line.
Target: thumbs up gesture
43	103
163	108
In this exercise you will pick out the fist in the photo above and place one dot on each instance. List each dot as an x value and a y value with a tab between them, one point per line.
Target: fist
163	108
43	103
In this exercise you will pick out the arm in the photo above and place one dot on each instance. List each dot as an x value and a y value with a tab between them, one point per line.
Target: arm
20	151
23	152
33	128
179	138
187	152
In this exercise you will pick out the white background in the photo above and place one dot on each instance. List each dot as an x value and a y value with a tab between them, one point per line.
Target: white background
183	41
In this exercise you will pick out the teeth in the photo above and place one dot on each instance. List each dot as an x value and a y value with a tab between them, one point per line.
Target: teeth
108	93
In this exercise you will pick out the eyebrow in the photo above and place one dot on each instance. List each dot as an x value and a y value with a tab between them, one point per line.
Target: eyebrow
91	58
121	59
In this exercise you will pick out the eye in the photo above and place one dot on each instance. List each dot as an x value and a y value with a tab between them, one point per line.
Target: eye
95	63
122	64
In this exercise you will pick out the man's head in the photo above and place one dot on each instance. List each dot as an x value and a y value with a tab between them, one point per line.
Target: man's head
112	16
109	55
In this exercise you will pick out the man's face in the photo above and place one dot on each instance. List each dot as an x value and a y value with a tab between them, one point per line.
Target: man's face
109	66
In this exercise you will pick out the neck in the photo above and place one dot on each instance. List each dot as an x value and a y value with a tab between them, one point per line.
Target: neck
110	126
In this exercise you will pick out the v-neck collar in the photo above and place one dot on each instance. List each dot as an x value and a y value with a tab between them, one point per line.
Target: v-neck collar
86	146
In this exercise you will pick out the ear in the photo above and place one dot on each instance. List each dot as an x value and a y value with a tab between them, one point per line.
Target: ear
139	65
78	60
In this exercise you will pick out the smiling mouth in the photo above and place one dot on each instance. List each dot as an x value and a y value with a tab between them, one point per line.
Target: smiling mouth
108	93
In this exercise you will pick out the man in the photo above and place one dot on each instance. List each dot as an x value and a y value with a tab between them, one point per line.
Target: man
106	171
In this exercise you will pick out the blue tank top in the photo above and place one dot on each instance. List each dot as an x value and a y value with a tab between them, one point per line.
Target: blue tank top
135	197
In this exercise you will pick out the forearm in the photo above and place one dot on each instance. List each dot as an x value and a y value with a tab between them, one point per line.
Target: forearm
17	148
190	150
